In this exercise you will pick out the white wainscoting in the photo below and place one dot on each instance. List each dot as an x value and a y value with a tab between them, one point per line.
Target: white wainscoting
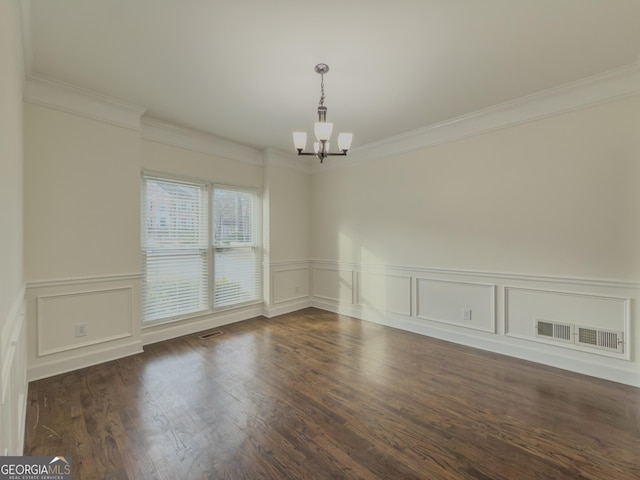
490	310
106	313
334	284
13	380
384	292
107	307
289	283
469	305
289	287
524	305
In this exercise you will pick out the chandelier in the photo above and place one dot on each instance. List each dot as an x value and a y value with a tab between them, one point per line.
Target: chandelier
322	129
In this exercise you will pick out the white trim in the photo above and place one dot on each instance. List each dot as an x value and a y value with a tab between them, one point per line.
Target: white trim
626	301
585	361
68	98
357	297
95	357
40	321
594	282
494	344
336	268
288	307
10	338
286	264
285	270
606	86
492	302
65	282
22	417
163	132
167	331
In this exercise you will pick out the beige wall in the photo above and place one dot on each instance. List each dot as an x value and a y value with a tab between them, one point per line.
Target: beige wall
557	196
289	222
82	181
13	386
165	158
11	277
82	240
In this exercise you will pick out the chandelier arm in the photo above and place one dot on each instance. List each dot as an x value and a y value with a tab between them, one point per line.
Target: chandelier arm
329	154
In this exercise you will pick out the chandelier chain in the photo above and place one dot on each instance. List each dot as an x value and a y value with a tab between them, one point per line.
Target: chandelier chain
321	90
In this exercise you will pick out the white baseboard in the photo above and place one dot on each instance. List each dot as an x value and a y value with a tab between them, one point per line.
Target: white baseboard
287	307
94	357
159	333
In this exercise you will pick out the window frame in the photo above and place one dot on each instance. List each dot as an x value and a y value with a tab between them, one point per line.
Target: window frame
210	188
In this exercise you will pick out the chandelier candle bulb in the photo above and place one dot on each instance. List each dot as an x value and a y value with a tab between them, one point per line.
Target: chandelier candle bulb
322	129
344	141
300	140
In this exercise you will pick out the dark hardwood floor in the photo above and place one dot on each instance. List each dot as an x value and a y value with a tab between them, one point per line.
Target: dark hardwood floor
314	395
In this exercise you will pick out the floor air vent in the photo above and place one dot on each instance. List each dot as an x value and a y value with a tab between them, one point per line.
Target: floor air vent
597	338
561	332
217	333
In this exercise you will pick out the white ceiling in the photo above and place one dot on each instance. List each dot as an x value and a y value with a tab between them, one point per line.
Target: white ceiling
244	70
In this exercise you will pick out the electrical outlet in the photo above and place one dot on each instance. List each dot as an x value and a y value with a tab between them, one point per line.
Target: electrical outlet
81	330
466	314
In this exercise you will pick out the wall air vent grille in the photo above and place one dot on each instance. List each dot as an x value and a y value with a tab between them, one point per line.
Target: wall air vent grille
561	332
586	337
598	338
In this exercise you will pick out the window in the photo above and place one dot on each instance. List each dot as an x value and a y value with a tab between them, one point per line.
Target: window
236	258
184	272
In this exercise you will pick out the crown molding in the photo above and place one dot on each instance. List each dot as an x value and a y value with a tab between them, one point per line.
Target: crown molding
68	98
163	132
610	85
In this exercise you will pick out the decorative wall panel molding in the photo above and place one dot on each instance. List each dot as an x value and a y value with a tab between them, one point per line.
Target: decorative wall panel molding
525	307
333	284
465	304
77	322
496	311
289	283
105	314
385	292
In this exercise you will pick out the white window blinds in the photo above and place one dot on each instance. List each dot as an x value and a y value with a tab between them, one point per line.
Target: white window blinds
174	248
236	249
